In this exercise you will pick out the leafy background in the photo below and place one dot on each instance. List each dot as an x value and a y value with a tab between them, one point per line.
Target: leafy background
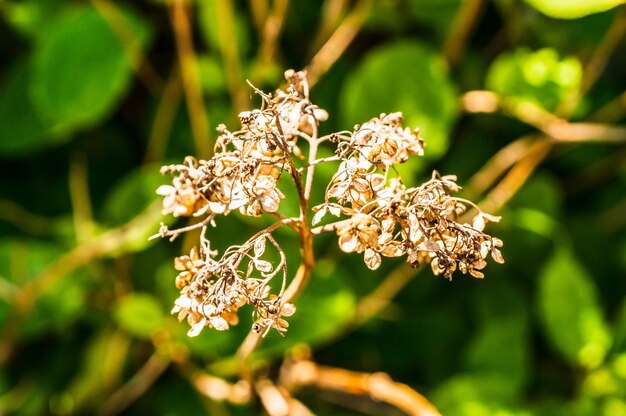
523	100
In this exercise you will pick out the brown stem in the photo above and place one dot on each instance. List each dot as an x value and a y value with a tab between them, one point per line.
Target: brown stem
227	42
215	388
377	386
164	119
269	35
516	177
191	78
338	42
597	64
136	386
466	19
79	195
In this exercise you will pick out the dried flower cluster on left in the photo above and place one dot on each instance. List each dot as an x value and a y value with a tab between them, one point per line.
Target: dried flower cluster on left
378	214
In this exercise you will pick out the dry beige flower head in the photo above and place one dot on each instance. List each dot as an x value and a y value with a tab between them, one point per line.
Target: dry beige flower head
378	215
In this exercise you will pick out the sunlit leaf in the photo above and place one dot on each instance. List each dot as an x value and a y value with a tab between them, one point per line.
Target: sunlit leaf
476	394
570	311
572	9
80	68
541	77
139	314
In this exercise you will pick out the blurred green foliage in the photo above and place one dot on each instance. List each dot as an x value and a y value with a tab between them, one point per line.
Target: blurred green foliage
92	103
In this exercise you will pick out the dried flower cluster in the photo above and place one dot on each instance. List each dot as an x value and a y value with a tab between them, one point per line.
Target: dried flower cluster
379	214
390	219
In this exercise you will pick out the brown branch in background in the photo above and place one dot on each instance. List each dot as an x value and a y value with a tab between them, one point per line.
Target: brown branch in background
191	78
338	42
597	173
215	388
516	177
596	65
469	14
269	38
332	12
139	63
259	9
555	127
495	167
377	386
164	119
271	397
227	38
611	112
381	296
19	217
81	202
136	386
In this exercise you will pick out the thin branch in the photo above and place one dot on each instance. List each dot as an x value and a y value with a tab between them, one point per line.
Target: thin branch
227	38
338	42
553	126
18	216
465	21
269	35
273	401
215	388
597	64
164	119
136	386
332	12
516	177
138	60
79	195
380	297
259	10
495	167
191	78
612	111
377	386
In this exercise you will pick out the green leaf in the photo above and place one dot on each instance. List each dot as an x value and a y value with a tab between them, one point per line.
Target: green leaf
139	314
406	77
501	345
541	77
80	69
59	306
476	395
572	9
21	130
570	311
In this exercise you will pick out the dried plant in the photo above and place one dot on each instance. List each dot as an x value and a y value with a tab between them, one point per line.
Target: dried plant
377	214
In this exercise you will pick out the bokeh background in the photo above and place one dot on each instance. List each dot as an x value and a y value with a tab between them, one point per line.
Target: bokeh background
524	100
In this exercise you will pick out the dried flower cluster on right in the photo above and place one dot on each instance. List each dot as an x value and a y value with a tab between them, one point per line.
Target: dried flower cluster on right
387	218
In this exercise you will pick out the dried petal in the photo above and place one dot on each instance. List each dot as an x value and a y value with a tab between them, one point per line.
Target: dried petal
372	259
348	242
259	247
288	309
